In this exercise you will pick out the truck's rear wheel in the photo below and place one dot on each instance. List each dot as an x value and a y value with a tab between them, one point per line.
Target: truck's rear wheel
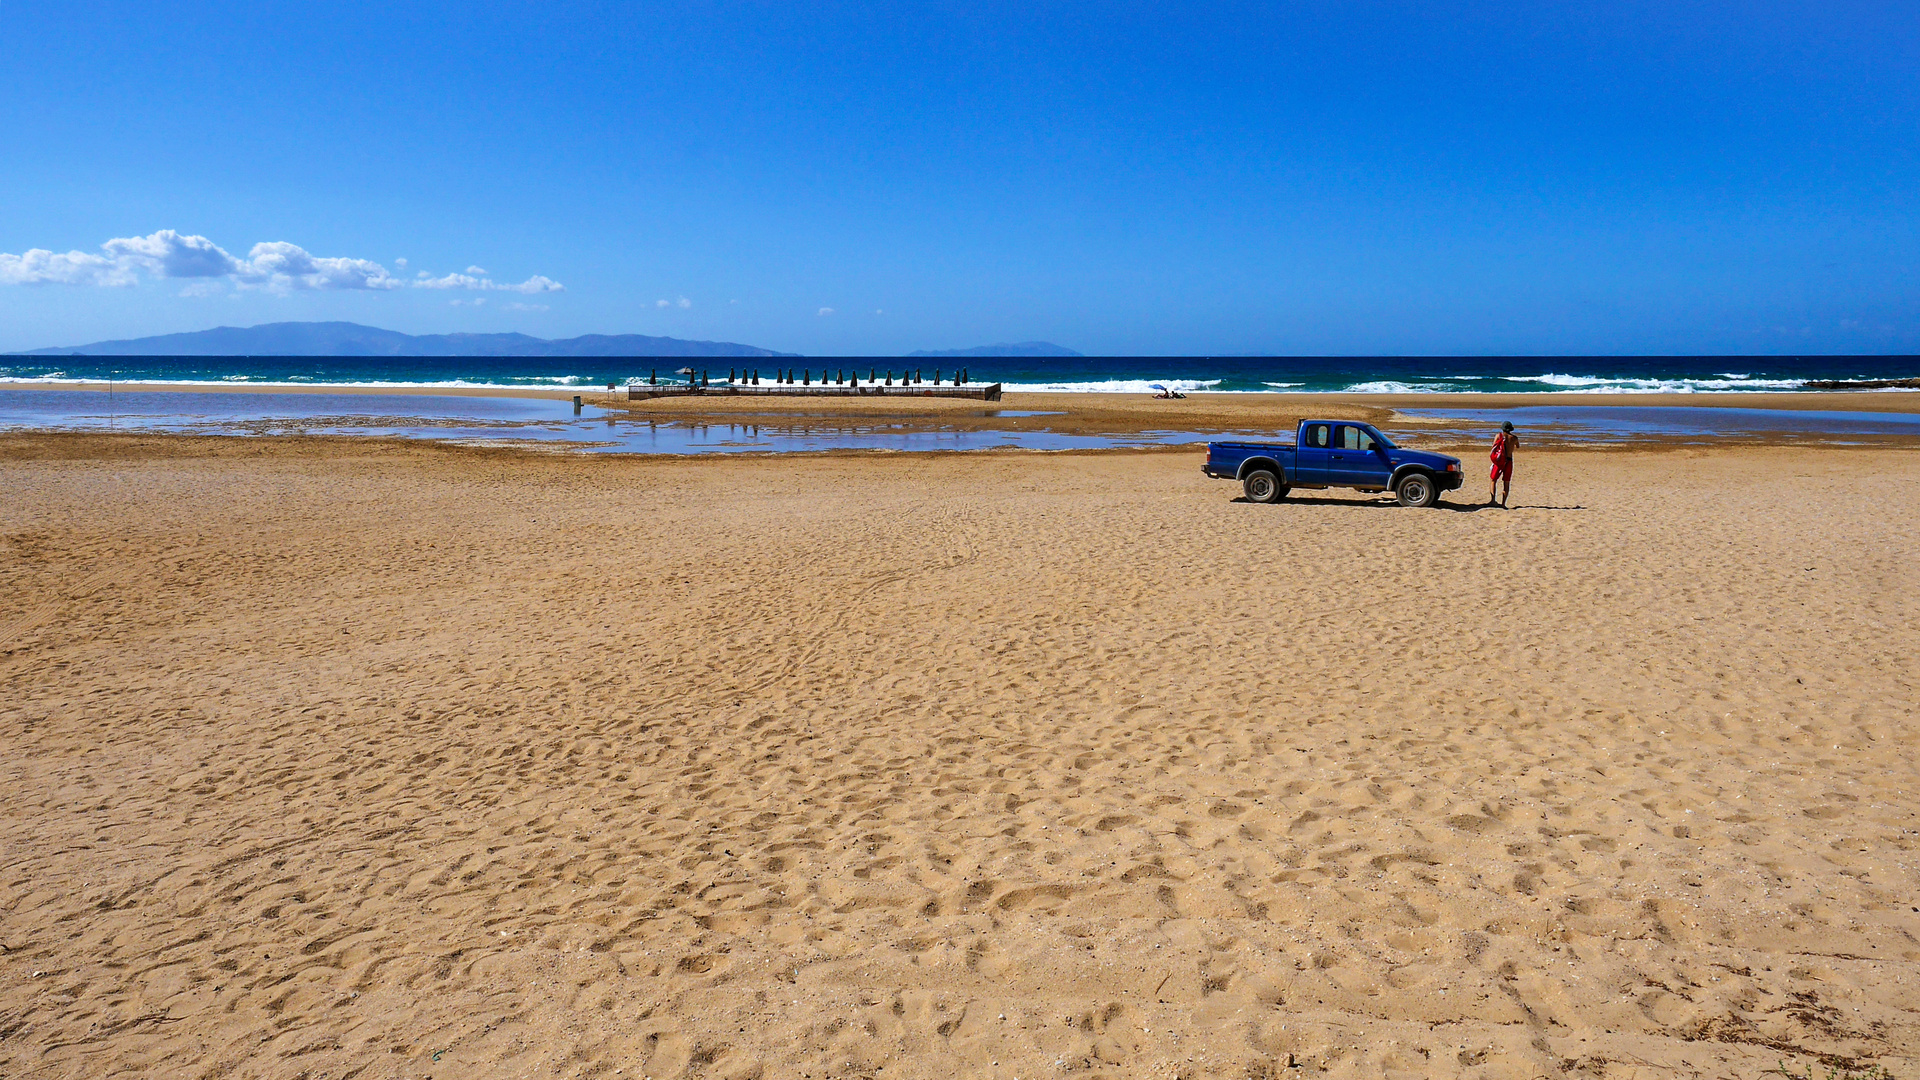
1417	489
1262	486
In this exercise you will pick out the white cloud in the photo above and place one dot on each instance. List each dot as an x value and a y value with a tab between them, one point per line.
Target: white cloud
826	311
276	265
450	281
478	301
42	267
515	305
662	303
400	263
169	254
683	303
538	283
283	267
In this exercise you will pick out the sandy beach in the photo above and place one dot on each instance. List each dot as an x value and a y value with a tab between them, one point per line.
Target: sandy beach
353	758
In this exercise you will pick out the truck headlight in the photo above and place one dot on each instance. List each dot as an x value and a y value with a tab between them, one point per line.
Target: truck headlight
1453	466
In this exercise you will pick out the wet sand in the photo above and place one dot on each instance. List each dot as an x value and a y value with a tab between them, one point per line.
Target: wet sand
348	758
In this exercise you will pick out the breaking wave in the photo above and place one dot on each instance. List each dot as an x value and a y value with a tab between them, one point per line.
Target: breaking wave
1113	386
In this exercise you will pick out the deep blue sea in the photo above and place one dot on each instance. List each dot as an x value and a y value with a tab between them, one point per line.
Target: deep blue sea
1379	374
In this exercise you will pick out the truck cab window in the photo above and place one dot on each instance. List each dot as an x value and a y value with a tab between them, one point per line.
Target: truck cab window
1317	435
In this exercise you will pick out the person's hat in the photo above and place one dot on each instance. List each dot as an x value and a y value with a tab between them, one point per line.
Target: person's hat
1507	426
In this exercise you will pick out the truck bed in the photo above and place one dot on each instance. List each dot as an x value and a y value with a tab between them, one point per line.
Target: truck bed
1224	458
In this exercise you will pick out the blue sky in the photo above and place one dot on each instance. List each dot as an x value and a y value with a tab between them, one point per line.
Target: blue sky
1662	177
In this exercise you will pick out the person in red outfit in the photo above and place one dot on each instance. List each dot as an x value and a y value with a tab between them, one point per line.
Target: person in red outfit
1502	458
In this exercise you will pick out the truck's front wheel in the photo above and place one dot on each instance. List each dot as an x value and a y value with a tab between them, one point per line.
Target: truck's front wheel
1262	486
1417	489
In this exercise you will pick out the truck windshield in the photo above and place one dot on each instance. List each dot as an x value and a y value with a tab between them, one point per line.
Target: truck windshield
1355	437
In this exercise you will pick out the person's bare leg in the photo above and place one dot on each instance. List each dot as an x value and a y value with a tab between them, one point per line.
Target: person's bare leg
1506	489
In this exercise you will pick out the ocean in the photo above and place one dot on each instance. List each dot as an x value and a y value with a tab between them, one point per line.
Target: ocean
1090	374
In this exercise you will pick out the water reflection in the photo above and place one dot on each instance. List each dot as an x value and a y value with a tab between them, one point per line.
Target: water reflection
508	420
692	437
1621	423
544	422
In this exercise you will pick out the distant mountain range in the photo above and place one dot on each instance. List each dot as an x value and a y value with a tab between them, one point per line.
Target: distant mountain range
1020	348
352	339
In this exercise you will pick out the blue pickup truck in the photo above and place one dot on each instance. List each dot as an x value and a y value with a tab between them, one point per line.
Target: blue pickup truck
1330	454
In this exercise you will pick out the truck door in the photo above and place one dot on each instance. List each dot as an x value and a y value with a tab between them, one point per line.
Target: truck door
1356	460
1310	455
